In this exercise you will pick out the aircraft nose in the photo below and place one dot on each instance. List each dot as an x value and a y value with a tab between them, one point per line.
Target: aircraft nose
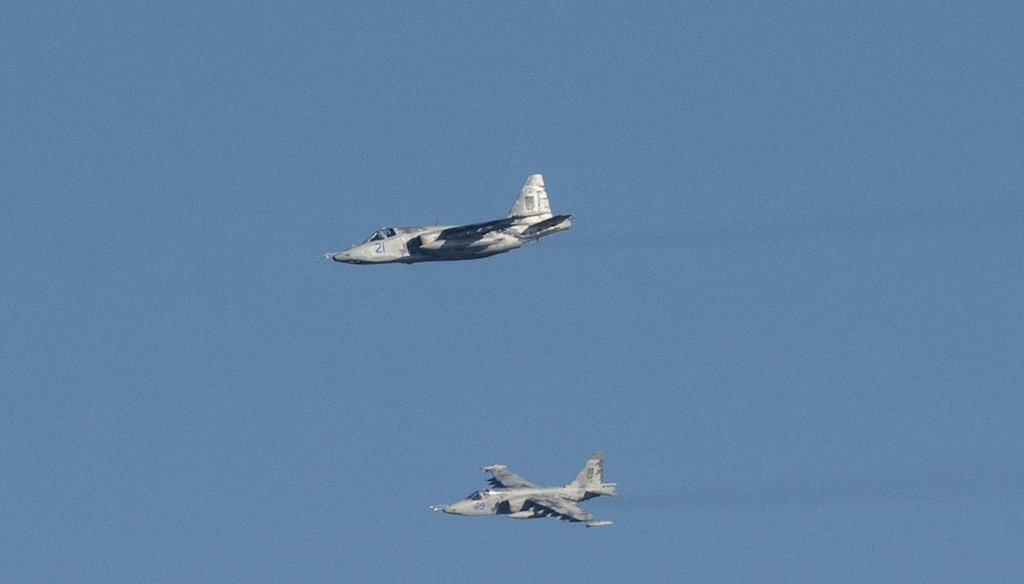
456	508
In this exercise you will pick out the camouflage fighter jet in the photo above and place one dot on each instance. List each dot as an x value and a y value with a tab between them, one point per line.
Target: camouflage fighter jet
518	498
529	219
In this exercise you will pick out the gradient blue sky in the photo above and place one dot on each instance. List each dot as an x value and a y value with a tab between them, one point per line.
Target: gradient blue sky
790	311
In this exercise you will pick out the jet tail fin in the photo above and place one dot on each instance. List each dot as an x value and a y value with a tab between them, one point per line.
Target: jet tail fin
591	477
532	200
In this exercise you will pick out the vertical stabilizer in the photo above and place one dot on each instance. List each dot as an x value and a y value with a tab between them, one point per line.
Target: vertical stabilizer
533	199
592	474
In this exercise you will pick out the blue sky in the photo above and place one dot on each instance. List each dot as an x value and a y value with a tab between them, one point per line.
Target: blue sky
789	311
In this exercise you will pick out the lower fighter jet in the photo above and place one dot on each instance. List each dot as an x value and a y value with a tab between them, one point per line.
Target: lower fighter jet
518	498
529	219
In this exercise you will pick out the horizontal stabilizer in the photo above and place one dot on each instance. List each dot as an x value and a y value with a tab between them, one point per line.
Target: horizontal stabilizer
546	224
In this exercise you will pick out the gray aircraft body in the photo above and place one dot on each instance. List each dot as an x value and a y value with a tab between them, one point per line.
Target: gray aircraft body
529	219
518	498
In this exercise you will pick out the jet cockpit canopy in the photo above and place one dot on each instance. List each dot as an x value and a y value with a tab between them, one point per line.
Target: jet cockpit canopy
382	234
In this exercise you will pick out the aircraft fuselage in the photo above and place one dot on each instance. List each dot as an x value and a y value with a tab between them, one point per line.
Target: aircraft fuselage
421	244
529	219
508	501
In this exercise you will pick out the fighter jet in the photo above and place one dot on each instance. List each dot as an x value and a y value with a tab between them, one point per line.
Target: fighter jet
518	498
529	219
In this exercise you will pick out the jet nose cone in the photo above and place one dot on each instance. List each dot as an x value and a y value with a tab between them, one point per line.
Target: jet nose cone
341	256
452	509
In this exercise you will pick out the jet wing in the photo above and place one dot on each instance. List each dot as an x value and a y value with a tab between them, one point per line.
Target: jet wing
564	509
503	479
475	230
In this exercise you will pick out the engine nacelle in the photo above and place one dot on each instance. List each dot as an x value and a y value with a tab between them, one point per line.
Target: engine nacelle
430	242
490	244
503	243
516	506
528	514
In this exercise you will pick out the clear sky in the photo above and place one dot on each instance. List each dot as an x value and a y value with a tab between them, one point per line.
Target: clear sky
790	311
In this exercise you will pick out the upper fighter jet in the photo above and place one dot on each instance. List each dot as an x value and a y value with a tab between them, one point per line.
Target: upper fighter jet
518	498
529	219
